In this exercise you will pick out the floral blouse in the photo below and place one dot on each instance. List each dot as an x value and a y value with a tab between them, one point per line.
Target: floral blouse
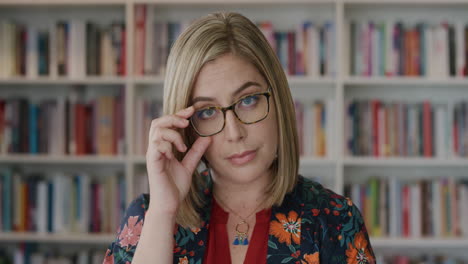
313	225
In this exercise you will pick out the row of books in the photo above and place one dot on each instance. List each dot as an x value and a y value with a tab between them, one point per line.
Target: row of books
145	111
394	128
421	208
308	49
29	253
153	41
60	202
314	125
399	49
65	125
74	49
314	120
433	259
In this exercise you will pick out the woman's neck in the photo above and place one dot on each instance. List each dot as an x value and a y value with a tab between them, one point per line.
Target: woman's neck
241	197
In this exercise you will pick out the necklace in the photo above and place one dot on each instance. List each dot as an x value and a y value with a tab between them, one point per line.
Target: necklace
242	228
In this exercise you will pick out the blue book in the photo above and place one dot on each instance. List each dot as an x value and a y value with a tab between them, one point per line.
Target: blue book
33	129
50	206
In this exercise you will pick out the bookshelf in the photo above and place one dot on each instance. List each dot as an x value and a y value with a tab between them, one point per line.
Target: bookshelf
336	169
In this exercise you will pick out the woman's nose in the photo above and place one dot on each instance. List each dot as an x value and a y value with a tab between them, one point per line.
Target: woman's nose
233	128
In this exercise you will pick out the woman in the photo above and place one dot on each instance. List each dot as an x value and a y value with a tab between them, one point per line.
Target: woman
228	104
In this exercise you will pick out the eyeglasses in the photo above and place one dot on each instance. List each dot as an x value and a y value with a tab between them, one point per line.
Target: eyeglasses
249	109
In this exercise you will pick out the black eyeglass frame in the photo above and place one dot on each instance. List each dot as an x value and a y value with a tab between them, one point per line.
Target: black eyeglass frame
267	94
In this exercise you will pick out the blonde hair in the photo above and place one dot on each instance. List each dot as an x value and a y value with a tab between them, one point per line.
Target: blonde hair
205	40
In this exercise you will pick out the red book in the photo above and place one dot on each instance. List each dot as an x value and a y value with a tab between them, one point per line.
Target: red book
123	62
80	129
406	211
427	125
407	53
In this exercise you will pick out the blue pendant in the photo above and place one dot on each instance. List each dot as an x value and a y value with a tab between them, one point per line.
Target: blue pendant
245	242
236	242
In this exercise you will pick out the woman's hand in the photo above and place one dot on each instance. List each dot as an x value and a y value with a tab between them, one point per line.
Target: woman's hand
169	179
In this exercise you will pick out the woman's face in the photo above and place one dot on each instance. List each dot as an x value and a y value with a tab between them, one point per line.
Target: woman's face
221	83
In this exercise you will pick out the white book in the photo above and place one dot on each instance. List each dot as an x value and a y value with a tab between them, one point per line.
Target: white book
442	51
149	45
58	202
329	127
415	211
437	208
79	56
394	213
440	115
463	209
85	197
460	47
42	207
32	58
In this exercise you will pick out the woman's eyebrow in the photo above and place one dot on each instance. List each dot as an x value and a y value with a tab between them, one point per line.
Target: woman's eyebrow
236	92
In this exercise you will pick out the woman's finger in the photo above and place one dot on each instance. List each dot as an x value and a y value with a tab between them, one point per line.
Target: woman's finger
172	136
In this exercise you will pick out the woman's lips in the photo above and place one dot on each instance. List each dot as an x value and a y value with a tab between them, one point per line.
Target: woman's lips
243	158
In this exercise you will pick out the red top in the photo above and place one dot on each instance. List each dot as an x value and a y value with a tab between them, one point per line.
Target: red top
217	248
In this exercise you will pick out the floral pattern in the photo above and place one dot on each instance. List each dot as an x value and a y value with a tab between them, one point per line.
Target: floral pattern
130	234
313	225
286	228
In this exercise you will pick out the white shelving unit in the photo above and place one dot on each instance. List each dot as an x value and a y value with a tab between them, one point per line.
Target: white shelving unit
335	170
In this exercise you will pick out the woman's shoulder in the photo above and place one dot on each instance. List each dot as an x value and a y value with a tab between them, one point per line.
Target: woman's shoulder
317	199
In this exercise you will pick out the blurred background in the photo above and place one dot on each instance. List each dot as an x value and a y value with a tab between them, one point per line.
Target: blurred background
381	94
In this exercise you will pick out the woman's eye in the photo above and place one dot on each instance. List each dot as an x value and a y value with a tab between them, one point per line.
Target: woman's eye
250	100
206	113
